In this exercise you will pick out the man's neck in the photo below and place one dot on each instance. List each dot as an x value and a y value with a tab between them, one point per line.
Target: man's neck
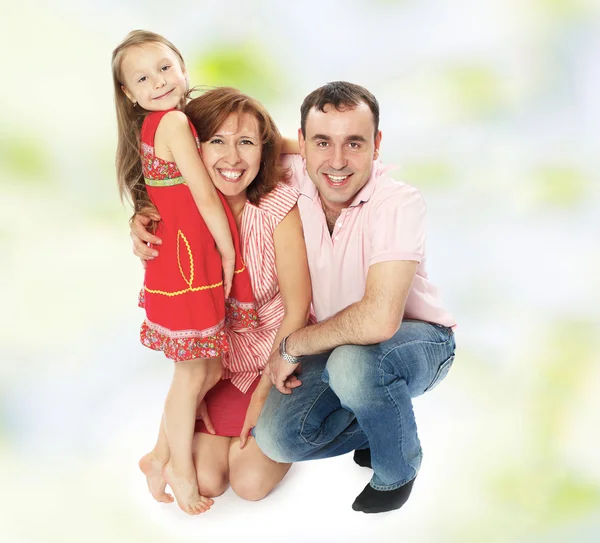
331	214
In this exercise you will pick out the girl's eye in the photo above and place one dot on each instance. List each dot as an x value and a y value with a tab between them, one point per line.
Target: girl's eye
142	79
165	68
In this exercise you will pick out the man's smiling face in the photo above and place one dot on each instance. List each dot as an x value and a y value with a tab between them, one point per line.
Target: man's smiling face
339	149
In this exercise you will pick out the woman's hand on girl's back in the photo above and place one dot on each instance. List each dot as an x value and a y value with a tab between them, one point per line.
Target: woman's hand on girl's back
141	237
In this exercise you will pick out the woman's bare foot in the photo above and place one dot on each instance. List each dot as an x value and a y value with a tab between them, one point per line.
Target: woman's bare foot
152	467
186	492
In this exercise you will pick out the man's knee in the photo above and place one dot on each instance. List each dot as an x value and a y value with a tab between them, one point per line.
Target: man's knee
277	440
349	371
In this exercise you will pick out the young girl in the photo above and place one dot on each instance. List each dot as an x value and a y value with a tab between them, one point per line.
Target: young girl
190	293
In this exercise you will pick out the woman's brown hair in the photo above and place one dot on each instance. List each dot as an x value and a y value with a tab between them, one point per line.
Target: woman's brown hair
210	110
129	123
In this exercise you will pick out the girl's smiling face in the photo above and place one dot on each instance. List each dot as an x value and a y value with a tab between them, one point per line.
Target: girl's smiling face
232	156
152	75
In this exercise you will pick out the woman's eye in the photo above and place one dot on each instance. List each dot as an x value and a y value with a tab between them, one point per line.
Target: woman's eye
216	140
246	142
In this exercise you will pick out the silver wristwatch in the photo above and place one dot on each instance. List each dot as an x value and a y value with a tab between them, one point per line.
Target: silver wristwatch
286	356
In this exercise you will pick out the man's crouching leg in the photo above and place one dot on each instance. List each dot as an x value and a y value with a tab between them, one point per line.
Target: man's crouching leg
376	383
309	423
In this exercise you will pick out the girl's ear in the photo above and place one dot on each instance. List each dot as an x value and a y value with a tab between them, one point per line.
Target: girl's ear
129	95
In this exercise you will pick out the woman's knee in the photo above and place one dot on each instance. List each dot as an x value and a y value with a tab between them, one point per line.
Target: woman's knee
212	483
250	485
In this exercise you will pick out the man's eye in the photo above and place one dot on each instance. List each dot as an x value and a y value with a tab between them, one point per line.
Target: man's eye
354	145
322	144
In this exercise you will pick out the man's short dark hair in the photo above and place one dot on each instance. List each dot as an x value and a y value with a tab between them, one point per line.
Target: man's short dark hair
341	95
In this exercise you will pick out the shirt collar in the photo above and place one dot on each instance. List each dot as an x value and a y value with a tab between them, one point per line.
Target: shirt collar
366	192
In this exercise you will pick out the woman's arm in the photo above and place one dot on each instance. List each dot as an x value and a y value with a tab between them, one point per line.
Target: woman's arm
295	287
294	278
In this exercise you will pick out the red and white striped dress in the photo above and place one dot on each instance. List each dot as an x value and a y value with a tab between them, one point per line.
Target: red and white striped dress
250	347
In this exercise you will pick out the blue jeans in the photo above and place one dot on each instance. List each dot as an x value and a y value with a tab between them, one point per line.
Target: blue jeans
359	396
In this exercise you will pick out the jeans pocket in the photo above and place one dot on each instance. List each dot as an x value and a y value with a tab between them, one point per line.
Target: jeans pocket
441	373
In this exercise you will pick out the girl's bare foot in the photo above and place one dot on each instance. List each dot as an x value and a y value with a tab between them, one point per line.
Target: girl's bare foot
186	492
151	467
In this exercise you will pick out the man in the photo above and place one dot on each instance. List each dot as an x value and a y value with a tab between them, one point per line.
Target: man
382	336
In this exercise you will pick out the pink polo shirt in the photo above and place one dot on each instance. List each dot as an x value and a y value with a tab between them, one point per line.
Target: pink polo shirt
386	221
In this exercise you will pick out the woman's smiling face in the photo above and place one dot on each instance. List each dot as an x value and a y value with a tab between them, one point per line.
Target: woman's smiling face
232	155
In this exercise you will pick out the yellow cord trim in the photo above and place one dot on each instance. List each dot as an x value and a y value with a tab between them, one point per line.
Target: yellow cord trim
189	281
179	292
182	236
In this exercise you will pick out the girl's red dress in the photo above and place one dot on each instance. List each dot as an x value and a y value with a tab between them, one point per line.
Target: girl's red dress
183	295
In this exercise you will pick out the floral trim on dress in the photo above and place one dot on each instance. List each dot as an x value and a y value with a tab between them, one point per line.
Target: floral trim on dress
179	349
157	168
240	314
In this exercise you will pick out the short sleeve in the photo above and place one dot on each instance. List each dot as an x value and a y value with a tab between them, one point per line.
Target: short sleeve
279	201
397	227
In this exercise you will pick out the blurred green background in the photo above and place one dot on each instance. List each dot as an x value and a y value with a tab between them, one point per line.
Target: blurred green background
490	108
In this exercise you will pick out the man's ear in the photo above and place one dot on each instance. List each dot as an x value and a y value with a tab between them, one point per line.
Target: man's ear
301	143
377	144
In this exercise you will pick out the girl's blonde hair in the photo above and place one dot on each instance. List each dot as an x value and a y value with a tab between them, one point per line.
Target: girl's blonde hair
129	123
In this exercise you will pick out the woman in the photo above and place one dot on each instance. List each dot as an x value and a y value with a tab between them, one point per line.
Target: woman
240	147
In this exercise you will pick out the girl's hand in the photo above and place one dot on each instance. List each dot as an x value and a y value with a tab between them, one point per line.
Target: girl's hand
252	414
202	413
228	269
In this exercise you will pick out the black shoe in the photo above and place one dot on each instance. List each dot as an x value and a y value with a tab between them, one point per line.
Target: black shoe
363	457
380	501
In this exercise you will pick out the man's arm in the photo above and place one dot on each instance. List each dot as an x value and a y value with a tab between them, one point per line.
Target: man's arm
290	146
375	318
